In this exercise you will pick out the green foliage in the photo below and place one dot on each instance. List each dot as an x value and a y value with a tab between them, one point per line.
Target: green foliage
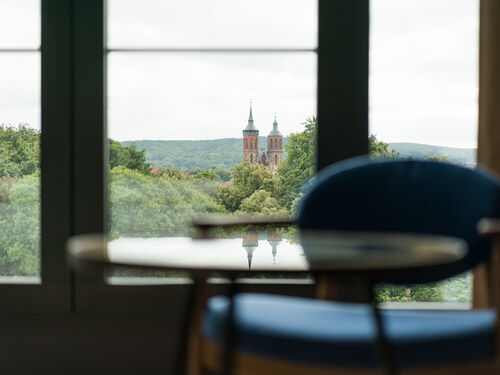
225	153
206	154
380	150
19	151
297	170
216	174
20	229
127	156
162	203
252	177
441	158
247	178
186	155
205	175
458	288
260	201
222	174
150	206
6	183
229	196
170	173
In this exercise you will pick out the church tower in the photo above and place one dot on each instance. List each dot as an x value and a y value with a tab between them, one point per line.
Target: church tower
274	147
251	140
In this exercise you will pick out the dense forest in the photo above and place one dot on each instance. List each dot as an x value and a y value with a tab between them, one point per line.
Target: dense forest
148	200
225	153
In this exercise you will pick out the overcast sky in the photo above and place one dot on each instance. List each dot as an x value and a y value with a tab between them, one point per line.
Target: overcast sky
423	68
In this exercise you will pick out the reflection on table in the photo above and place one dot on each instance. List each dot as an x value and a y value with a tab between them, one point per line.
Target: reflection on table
251	242
325	251
259	253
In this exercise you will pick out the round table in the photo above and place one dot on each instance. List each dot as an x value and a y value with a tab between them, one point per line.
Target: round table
311	252
367	256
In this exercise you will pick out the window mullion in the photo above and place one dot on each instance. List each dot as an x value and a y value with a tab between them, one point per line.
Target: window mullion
55	138
342	80
89	117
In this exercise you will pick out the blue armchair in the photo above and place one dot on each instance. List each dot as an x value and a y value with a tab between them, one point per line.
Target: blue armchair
286	335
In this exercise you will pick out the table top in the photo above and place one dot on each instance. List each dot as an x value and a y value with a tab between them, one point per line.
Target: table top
270	252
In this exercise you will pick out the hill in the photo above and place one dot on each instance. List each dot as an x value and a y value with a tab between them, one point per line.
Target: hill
226	152
213	153
422	151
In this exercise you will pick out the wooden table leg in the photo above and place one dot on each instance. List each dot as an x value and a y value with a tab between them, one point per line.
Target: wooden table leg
196	309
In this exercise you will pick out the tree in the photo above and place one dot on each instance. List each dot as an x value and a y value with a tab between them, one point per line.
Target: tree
229	196
148	206
297	170
442	158
205	175
222	174
20	228
170	173
260	201
380	150
128	157
6	183
299	166
247	178
19	151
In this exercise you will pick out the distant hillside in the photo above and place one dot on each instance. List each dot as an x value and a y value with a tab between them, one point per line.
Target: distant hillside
214	153
226	152
421	151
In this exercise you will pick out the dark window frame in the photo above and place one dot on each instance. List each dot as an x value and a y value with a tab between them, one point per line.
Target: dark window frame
74	147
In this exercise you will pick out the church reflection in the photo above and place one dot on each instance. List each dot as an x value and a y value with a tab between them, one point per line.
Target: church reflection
251	242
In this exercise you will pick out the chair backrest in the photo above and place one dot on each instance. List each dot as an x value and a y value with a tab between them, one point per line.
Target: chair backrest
405	196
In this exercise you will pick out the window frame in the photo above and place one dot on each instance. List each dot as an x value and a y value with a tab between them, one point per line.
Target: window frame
342	98
74	145
52	293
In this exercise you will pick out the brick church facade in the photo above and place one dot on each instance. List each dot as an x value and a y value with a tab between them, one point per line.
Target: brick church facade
274	154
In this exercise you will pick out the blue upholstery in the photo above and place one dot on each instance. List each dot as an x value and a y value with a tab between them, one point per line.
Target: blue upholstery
405	196
323	333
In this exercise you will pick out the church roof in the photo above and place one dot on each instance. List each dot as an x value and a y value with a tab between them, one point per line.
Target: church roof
250	126
275	130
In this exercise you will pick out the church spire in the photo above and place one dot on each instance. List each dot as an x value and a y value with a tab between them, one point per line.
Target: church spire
275	130
250	117
250	129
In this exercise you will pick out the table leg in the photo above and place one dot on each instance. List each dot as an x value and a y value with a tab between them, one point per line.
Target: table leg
190	360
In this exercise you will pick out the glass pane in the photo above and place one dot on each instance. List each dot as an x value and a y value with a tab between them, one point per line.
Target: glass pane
423	96
176	122
19	164
215	23
19	24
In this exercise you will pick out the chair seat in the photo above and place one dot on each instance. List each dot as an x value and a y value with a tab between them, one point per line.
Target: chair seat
325	333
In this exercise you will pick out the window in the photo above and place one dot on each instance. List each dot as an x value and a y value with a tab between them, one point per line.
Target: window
20	141
423	94
73	97
181	75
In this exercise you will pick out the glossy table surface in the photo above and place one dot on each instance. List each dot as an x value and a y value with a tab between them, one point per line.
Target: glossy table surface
272	252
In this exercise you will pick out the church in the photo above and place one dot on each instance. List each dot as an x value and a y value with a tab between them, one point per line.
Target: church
274	155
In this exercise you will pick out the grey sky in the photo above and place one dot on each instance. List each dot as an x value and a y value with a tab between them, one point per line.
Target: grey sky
423	69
